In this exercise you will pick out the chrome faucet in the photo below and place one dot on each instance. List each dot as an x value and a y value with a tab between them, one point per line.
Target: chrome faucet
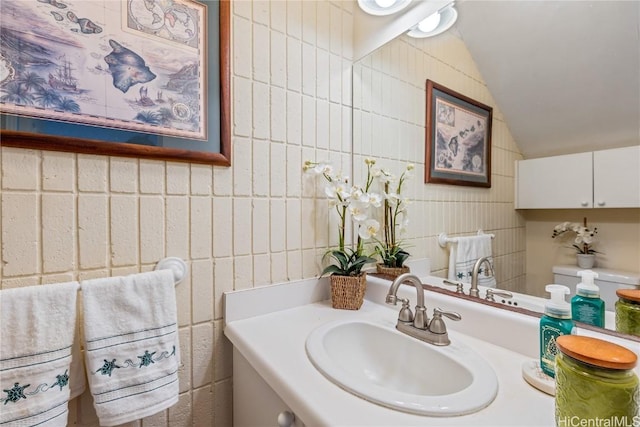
418	325
474	275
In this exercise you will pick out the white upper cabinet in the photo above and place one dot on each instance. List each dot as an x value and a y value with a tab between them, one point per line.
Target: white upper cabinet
616	178
599	179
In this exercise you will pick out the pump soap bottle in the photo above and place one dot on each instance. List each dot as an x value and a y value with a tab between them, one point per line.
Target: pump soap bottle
586	305
555	322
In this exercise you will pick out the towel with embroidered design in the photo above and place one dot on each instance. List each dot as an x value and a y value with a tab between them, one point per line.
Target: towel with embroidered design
131	345
37	354
464	254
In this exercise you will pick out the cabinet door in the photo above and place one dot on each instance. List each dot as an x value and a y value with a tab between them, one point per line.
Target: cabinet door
616	178
558	182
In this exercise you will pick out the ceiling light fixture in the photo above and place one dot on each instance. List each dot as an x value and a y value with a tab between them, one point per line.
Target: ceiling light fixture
383	7
436	23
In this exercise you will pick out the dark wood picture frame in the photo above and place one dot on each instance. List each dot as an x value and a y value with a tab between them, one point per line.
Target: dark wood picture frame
42	141
458	138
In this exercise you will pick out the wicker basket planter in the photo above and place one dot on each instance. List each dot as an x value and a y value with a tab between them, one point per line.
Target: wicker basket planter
391	271
347	292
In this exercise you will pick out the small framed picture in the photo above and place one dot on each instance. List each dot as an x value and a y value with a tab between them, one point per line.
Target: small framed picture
458	139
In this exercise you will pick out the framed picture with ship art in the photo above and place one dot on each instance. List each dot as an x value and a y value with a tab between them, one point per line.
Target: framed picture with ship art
137	78
458	139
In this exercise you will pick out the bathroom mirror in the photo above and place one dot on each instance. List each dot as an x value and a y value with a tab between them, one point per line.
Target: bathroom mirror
389	125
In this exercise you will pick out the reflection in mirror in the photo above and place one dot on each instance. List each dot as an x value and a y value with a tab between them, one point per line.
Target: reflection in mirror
389	108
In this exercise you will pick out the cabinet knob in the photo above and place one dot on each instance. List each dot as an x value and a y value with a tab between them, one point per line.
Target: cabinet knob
584	204
286	419
601	203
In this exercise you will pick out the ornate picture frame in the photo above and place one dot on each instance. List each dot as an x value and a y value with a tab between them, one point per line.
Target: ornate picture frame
458	138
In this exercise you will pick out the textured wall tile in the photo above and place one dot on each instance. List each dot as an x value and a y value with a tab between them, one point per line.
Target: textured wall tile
152	221
177	178
184	370
308	121
278	225
201	227
260	46
261	109
242	167
279	16
261	167
20	233
58	232
177	226
241	226
294	167
242	107
222	231
222	181
58	171
202	291
223	403
278	59
322	124
123	175
278	170
260	220
294	65
203	406
202	360
241	47
294	265
243	272
322	74
260	12
124	230
20	169
93	230
223	353
278	117
223	280
294	118
261	270
181	414
279	267
308	69
152	177
309	21
293	224
294	18
323	18
201	180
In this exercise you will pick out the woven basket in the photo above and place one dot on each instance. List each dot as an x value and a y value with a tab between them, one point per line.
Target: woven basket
391	271
347	292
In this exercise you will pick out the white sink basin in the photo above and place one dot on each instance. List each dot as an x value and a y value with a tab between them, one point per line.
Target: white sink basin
384	366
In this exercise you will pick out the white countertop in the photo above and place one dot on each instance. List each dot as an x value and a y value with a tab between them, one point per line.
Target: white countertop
274	344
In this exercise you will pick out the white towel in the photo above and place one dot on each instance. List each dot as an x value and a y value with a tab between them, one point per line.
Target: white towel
131	345
464	254
37	327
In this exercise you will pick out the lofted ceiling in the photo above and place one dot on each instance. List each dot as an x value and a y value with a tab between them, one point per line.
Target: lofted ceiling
565	74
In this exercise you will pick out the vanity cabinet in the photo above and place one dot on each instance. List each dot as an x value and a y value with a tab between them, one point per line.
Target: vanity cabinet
598	179
255	404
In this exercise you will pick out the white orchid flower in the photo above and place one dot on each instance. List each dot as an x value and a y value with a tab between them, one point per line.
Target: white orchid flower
358	211
385	176
392	198
368	229
337	190
375	200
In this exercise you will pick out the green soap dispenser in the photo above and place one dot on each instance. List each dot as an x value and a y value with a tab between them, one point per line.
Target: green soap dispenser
586	305
555	322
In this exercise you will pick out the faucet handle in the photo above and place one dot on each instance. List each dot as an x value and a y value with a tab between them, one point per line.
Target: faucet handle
405	315
498	292
459	285
437	325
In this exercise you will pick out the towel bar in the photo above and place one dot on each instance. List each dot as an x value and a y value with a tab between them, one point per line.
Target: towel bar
443	239
178	266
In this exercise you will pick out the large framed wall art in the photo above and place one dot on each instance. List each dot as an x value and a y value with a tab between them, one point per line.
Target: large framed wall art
138	78
458	139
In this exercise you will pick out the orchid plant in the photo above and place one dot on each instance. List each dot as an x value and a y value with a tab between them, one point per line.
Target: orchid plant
395	217
354	201
585	236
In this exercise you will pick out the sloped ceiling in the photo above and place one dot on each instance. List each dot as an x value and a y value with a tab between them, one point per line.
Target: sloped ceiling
565	74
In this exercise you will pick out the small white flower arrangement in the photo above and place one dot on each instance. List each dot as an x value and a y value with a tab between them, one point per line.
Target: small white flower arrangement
349	200
395	217
585	236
